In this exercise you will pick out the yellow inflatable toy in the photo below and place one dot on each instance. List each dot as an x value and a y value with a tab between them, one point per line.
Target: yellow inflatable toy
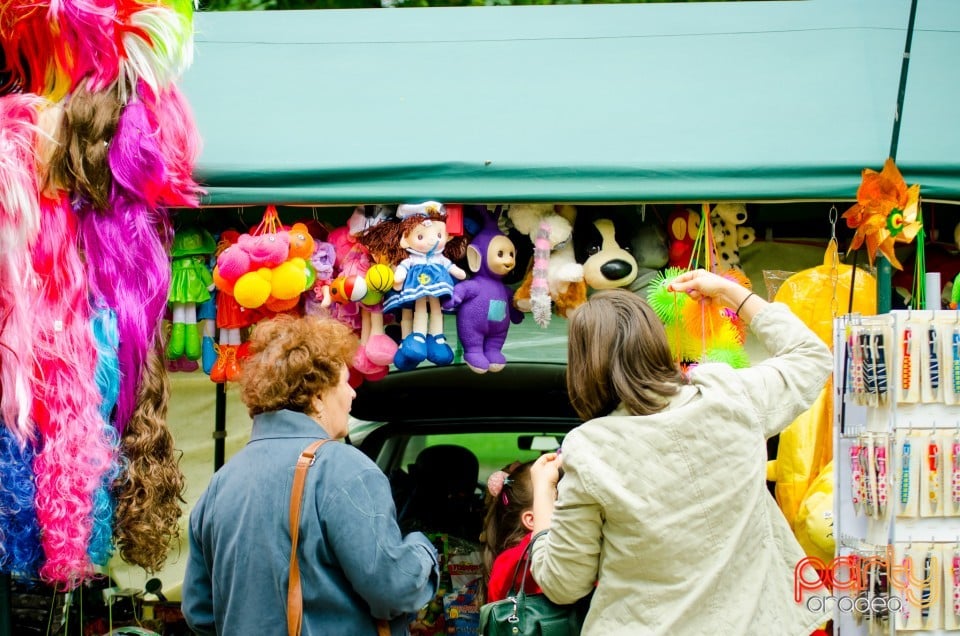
805	447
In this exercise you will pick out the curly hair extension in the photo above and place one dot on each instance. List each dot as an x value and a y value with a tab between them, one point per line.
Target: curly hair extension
19	531
74	454
79	163
150	488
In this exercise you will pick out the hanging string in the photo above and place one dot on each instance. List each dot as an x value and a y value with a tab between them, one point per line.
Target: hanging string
834	261
918	298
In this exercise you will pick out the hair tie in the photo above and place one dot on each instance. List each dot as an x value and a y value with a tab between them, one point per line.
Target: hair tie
496	481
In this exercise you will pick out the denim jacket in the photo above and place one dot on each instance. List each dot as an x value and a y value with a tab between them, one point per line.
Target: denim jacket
354	563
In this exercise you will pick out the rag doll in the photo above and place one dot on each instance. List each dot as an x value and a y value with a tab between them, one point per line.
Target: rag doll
483	302
417	245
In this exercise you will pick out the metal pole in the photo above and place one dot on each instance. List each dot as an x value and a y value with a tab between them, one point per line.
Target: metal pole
220	427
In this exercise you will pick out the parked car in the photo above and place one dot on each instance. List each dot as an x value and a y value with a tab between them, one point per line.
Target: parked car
439	432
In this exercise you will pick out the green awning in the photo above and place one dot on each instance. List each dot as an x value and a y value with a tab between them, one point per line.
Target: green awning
929	148
754	101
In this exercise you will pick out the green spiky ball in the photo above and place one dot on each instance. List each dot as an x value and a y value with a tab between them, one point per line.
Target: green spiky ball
667	304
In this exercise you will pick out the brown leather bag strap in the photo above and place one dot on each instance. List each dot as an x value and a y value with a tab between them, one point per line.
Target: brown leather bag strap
294	591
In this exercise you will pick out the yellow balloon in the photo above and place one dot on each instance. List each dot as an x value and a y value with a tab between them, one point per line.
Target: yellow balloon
814	294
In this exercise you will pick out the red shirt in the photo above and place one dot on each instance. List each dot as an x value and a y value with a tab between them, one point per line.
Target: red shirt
499	585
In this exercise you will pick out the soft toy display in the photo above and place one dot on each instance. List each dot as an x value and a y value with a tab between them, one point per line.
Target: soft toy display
683	226
649	245
482	303
190	283
355	301
730	234
422	253
602	245
554	282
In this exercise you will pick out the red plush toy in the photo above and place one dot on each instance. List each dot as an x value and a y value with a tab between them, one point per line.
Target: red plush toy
682	227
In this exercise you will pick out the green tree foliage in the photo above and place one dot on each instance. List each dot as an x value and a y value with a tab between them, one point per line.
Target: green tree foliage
274	5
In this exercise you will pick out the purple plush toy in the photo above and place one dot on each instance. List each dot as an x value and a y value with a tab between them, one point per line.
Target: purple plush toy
483	302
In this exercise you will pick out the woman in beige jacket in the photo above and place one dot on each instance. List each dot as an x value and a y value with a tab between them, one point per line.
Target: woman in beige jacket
663	508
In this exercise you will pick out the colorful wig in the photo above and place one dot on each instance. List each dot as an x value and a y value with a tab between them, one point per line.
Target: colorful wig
180	145
107	373
19	531
19	226
128	244
150	489
75	456
79	163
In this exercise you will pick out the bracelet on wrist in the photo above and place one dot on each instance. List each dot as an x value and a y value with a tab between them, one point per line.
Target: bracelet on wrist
744	302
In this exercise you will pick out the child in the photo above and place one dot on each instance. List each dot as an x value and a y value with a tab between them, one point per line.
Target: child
507	530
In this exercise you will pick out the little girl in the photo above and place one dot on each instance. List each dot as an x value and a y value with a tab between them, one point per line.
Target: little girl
507	530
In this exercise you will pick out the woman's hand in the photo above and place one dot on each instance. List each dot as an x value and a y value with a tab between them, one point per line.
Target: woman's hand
700	284
545	472
544	475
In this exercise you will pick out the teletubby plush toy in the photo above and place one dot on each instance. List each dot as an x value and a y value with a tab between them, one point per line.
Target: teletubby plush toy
190	283
482	303
423	255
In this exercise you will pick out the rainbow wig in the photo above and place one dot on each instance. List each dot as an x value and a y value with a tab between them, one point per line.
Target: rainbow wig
74	455
19	531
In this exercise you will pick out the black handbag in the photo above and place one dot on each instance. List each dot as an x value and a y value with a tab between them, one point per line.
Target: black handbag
522	614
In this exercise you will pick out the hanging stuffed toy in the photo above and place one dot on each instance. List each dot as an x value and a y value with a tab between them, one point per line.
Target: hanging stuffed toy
357	292
422	253
190	284
483	302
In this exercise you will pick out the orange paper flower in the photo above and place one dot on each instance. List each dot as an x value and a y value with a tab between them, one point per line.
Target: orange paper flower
886	212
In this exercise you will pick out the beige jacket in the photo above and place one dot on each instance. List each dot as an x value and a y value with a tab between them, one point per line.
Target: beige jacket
670	513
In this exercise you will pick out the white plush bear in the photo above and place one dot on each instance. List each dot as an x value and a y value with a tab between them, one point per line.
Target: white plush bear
729	234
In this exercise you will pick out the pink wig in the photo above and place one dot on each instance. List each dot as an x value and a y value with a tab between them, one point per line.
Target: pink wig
180	145
19	224
75	455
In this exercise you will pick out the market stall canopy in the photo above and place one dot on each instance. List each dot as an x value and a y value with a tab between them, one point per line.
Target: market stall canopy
930	130
757	101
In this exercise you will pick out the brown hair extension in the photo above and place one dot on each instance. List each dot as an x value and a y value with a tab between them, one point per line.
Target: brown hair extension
150	489
293	360
79	161
502	527
383	239
617	351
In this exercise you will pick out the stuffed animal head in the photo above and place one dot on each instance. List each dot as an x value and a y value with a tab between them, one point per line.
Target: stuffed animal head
729	234
491	253
602	243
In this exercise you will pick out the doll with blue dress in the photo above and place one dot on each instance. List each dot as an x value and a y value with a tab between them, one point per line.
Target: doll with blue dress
416	244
